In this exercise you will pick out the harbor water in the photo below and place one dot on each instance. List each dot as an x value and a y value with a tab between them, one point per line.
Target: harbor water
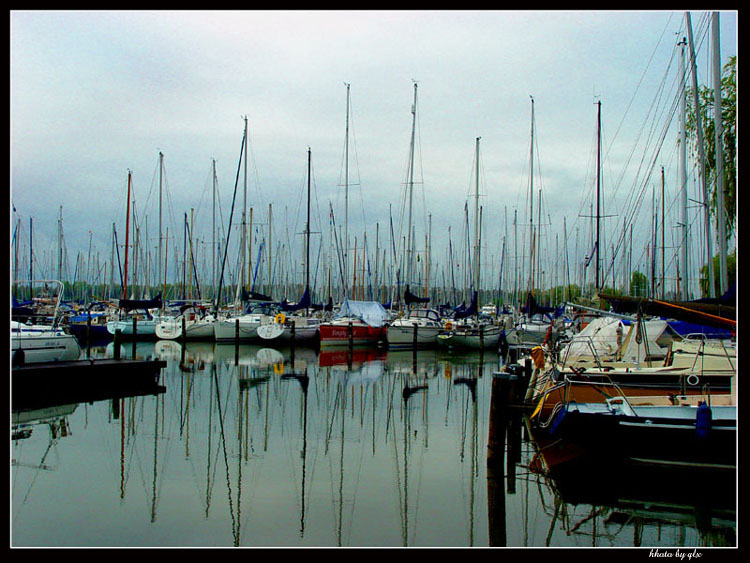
257	447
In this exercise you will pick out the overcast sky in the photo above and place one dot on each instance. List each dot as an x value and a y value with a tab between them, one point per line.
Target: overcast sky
95	94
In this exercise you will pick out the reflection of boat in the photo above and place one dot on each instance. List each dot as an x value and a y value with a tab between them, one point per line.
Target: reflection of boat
24	421
328	358
636	493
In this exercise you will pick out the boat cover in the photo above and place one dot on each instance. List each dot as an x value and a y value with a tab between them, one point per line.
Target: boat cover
371	312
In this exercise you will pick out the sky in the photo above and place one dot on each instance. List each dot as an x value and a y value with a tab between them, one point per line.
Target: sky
96	94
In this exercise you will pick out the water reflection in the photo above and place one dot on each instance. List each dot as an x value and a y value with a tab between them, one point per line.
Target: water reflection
254	446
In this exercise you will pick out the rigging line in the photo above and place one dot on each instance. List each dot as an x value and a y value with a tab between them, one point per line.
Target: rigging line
633	194
643	75
231	215
646	121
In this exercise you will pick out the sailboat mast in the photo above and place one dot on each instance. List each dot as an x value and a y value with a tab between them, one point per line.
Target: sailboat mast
127	238
243	243
476	219
701	150
531	201
718	129
410	246
307	228
684	284
213	227
598	183
161	174
346	197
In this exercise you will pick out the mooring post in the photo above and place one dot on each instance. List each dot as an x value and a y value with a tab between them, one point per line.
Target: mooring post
116	343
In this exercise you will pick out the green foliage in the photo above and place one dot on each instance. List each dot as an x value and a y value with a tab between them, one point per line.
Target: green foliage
731	274
729	139
638	284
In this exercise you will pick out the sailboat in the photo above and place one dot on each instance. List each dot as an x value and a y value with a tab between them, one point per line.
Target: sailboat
195	322
35	343
135	317
356	322
296	327
469	330
419	327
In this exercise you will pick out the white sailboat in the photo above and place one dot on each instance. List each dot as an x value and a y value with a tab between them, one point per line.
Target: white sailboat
36	343
469	330
194	322
418	328
301	327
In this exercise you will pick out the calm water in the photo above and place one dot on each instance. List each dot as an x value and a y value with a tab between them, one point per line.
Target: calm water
256	447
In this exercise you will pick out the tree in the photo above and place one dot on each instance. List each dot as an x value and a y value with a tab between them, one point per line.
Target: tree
731	273
729	139
638	284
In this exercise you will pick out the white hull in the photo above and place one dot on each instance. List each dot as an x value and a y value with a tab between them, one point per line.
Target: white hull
531	335
486	339
306	329
202	329
145	328
227	330
403	336
43	344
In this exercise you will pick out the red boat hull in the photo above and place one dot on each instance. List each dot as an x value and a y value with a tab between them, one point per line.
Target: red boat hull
343	334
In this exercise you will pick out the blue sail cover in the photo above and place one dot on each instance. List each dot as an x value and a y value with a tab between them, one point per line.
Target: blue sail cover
410	298
130	304
303	303
371	312
532	308
463	312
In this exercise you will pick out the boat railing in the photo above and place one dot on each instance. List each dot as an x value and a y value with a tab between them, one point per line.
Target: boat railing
588	342
57	298
703	340
613	395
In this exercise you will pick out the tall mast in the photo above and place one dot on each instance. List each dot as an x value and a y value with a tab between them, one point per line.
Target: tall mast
410	245
476	219
31	248
161	170
127	239
307	227
346	197
701	150
598	183
213	227
243	243
683	180
531	201
718	128
60	246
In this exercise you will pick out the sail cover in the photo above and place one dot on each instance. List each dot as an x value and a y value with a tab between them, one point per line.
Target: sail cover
371	312
410	298
130	304
303	303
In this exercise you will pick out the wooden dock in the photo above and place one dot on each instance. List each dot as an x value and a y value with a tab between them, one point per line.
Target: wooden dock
82	381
